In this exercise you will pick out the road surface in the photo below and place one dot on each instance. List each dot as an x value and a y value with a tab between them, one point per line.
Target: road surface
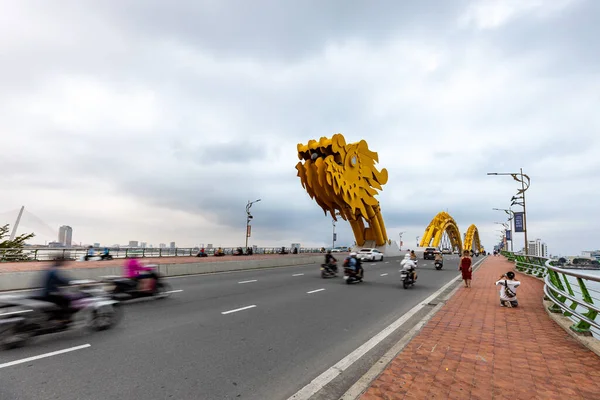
261	334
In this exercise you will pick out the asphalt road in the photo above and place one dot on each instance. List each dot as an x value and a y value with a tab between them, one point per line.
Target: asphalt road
189	347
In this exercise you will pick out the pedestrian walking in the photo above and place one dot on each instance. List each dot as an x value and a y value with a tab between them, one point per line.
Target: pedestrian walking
465	267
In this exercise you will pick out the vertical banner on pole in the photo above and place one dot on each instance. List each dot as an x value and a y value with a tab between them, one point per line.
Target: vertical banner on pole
519	227
248	229
508	235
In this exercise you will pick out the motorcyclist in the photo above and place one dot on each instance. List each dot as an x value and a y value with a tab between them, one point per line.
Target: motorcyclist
438	257
105	253
410	265
53	280
330	261
355	264
413	256
90	253
132	269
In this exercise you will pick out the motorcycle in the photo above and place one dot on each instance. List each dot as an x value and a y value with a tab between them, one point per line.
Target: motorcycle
439	265
350	276
25	317
329	270
122	288
407	277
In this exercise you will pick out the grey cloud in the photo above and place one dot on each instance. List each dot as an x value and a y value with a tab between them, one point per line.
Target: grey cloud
274	29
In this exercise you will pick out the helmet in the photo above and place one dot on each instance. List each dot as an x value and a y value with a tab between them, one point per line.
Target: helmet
353	254
407	255
328	251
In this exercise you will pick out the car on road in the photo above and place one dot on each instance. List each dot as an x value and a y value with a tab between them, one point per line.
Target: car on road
429	253
446	250
370	255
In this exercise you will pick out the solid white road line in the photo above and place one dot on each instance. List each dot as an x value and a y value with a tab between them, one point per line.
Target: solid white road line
315	291
175	291
383	275
320	381
297	274
372	264
15	312
253	280
54	353
237	309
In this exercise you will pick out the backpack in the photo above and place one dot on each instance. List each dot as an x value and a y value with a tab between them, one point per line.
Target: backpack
509	293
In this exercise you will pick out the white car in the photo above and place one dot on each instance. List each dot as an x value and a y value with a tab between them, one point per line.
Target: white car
370	255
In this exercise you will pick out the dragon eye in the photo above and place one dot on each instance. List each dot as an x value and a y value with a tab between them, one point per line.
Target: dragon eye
353	160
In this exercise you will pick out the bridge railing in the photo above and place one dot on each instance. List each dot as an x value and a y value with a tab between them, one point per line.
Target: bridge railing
573	293
48	253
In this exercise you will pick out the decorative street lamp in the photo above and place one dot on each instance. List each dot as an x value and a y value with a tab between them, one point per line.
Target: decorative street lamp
337	214
248	219
402	233
525	183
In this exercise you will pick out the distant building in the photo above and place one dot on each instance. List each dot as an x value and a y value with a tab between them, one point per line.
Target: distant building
65	235
133	243
162	246
209	246
593	254
172	245
96	244
143	245
537	248
55	244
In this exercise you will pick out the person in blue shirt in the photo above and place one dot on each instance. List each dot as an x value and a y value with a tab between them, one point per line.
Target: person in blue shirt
53	280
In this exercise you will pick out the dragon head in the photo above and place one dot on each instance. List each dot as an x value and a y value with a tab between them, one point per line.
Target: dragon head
341	177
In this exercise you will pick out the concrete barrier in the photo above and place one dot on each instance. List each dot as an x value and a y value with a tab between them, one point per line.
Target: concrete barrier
32	279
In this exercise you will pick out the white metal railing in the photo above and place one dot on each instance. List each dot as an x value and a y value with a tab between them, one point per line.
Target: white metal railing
574	293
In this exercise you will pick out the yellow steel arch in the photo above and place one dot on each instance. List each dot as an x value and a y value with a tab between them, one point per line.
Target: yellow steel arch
472	241
441	223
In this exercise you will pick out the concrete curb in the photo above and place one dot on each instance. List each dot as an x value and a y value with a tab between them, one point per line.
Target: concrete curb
361	386
30	279
565	323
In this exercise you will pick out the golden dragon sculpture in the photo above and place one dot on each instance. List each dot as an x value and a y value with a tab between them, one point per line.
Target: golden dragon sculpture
342	178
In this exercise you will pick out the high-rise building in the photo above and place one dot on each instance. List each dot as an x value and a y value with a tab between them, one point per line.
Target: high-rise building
537	248
65	235
96	245
162	246
172	245
143	245
133	243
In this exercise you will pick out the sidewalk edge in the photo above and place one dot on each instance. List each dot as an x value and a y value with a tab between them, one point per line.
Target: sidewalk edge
565	323
365	381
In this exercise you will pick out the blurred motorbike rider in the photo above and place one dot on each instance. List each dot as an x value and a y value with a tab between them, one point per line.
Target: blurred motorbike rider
410	265
413	256
355	264
438	257
53	280
330	261
145	281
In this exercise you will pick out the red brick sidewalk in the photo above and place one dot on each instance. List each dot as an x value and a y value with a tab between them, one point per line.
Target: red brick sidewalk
475	349
40	265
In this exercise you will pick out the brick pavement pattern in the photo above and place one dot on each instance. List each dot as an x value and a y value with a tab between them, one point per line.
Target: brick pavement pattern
475	349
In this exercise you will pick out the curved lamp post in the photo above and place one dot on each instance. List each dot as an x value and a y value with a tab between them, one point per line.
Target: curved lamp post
525	182
249	218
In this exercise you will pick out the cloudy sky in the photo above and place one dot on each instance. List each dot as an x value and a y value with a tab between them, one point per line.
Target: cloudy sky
157	121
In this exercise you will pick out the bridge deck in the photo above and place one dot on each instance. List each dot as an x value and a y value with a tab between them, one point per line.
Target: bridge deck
40	265
475	349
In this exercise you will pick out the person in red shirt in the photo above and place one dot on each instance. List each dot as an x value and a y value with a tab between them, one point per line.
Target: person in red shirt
465	268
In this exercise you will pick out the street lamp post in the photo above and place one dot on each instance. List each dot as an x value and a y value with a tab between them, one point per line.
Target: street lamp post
510	219
519	177
400	234
418	240
248	219
337	214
